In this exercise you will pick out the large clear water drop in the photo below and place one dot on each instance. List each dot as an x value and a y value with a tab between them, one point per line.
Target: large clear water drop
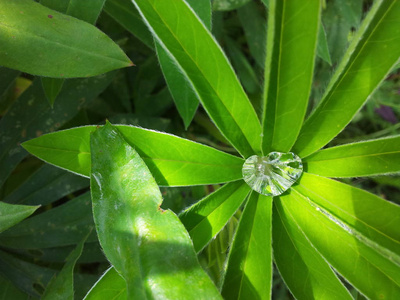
273	174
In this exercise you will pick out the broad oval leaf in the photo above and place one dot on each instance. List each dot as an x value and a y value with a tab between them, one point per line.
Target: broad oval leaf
374	50
369	158
207	68
44	42
148	246
173	161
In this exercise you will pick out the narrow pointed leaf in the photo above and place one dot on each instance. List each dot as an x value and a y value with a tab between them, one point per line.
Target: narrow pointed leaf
369	267
207	69
46	185
182	92
31	116
149	247
375	218
41	41
289	70
356	78
173	161
61	286
370	158
110	286
87	11
126	14
322	46
11	214
63	225
249	273
304	271
52	87
207	217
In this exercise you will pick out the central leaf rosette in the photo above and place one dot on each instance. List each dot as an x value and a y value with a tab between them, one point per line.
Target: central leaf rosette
273	174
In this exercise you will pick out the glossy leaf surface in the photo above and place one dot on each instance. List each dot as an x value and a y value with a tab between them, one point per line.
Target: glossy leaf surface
41	41
149	247
173	161
62	286
110	286
367	158
207	68
358	209
289	70
348	251
357	76
249	272
11	214
207	217
304	271
182	92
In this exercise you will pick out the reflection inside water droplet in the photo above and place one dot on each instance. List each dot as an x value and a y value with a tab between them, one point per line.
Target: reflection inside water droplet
273	174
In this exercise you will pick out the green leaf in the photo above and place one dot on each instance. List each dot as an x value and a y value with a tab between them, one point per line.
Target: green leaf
61	286
254	26
9	291
182	92
110	286
304	271
224	5
11	214
173	161
207	69
30	116
52	87
369	267
358	209
46	185
291	47
63	225
249	273
369	158
28	277
149	247
356	78
41	41
7	80
322	46
125	13
244	69
87	11
206	218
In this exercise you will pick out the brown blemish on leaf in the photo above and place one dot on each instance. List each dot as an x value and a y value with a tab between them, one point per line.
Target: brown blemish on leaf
160	209
50	16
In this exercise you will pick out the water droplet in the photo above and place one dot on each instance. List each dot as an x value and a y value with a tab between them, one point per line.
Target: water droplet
273	174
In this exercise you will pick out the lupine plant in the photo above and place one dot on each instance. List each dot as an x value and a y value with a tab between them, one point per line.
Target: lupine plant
327	239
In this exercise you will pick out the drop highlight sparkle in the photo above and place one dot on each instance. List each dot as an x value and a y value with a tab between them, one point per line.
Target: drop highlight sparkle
273	174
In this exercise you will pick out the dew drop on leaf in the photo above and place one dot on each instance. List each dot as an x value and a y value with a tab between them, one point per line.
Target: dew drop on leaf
273	174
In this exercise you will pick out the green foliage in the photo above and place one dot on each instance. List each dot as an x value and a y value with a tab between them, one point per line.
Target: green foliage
302	73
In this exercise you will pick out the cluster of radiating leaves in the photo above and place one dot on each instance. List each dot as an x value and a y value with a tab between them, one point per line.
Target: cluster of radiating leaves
318	229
